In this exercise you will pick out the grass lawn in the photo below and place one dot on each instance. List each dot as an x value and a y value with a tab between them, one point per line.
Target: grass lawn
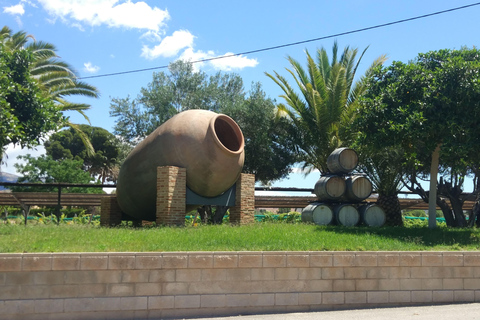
266	236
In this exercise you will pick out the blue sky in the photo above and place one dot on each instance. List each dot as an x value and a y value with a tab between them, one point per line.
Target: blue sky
100	37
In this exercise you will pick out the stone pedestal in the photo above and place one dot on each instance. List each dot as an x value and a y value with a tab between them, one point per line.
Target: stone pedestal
171	195
110	214
244	210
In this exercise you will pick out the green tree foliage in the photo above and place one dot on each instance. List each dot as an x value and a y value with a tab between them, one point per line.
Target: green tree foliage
268	150
46	170
325	107
430	109
56	79
26	113
104	163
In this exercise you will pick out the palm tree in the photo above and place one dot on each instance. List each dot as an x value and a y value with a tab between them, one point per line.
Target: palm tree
55	77
327	102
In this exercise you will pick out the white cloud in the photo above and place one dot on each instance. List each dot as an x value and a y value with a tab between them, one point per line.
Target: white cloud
88	67
170	46
113	13
224	64
234	62
15	10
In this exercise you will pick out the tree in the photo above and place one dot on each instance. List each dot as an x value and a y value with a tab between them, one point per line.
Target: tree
56	79
323	110
104	162
429	108
46	170
26	113
269	153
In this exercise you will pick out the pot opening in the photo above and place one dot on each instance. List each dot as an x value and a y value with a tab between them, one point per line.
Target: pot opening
228	133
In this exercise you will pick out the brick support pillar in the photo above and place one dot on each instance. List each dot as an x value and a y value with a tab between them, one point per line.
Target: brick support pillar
244	210
110	213
171	195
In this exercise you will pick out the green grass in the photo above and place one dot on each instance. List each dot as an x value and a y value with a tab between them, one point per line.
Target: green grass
268	236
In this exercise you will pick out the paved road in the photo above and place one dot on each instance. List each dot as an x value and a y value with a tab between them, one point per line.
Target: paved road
455	311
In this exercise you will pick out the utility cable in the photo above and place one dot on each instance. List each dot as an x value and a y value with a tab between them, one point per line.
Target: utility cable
292	43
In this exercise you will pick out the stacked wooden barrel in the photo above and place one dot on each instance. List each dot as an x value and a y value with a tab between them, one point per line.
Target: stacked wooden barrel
341	194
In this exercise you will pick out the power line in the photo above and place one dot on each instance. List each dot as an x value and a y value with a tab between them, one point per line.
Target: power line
293	43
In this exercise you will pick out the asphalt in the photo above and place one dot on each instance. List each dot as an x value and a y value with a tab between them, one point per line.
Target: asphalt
439	312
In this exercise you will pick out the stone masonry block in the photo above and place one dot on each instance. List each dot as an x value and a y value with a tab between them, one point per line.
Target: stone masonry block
310	298
148	261
333	273
274	259
464	296
213	301
366	285
262	299
442	296
262	274
321	259
66	262
238	274
37	262
388	259
286	299
452	284
200	260
247	260
463	272
214	274
430	259
10	263
355	272
344	285
421	296
298	260
188	275
471	259
355	297
309	273
225	260
377	297
366	259
237	300
93	262
121	262
286	273
333	298
133	303
452	259
399	297
412	259
174	260
185	302
343	259
161	302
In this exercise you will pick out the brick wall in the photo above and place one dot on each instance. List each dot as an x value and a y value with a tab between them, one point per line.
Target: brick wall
162	285
171	195
244	210
110	214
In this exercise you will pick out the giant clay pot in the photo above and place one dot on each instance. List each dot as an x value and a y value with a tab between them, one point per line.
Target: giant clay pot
208	145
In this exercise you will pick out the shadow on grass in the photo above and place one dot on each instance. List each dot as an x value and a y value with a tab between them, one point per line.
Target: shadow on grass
456	238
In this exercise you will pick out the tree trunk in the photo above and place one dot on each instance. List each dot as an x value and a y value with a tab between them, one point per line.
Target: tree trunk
447	212
391	206
432	200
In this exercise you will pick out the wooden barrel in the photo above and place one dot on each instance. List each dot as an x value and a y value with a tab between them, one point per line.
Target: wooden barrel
346	215
372	215
318	213
329	188
358	188
342	160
